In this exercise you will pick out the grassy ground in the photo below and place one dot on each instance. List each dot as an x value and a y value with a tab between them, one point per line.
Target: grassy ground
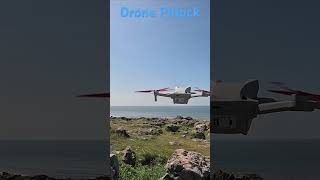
155	149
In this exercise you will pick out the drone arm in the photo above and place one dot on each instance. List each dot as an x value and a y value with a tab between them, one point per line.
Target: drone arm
164	95
296	105
276	107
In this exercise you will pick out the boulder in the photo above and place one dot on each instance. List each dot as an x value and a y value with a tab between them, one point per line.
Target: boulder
184	165
200	127
199	135
172	128
158	123
122	132
129	156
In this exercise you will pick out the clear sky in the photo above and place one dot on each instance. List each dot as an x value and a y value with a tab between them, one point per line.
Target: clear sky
152	53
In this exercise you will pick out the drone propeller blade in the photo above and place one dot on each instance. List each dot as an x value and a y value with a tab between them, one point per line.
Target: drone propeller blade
145	91
163	89
97	95
201	90
149	91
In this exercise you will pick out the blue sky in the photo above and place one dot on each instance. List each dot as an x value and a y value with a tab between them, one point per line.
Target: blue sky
149	53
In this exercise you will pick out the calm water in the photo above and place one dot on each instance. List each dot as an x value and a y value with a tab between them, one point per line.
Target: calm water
78	159
273	159
202	112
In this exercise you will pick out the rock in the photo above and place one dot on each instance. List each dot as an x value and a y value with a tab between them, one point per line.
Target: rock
129	156
122	132
172	128
158	123
114	165
188	118
184	165
199	135
183	135
200	127
179	117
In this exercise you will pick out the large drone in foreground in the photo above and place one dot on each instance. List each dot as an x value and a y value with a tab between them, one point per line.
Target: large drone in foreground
178	95
234	105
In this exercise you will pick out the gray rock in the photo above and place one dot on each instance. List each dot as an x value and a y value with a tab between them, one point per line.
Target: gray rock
172	128
184	165
149	131
122	132
200	127
129	156
199	135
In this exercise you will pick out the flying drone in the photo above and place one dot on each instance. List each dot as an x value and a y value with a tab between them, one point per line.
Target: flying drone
179	95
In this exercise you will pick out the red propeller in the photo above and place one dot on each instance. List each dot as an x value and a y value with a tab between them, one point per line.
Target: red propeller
201	90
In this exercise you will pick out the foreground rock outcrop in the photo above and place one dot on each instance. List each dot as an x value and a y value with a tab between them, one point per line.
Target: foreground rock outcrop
187	165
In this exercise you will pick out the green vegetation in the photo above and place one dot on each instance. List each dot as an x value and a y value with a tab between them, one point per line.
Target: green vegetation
152	151
141	172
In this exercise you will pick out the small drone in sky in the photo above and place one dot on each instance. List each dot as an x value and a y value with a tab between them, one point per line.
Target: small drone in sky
179	95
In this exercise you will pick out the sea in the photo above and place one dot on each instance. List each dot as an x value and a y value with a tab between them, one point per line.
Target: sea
199	112
61	159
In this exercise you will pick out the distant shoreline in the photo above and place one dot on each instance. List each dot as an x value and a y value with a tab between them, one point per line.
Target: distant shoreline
198	112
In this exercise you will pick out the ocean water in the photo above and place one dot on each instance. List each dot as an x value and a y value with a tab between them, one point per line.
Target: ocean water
201	112
77	159
272	159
